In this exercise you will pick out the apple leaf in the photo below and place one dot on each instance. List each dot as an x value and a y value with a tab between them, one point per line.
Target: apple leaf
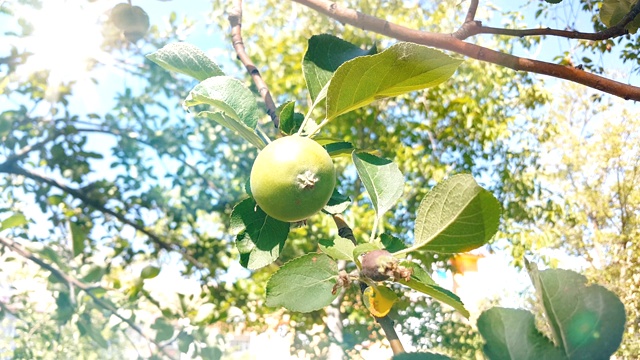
613	11
15	220
85	327
235	125
303	284
186	59
382	179
511	334
587	322
457	215
391	243
290	121
164	330
260	238
337	204
78	236
336	148
338	248
422	282
149	272
325	53
379	300
228	95
365	248
402	68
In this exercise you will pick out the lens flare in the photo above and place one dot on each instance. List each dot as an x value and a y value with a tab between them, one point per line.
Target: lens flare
66	38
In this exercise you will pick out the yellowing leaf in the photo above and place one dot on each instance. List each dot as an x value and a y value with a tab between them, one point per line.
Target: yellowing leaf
379	300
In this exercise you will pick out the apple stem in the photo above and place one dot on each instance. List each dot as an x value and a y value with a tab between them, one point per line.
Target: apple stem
385	322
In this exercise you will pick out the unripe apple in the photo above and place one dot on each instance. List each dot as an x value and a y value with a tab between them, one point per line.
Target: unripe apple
132	20
292	178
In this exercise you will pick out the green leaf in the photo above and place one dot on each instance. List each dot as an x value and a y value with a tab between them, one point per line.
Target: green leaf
260	238
184	342
228	95
324	55
457	215
587	322
15	220
78	236
65	308
211	353
420	356
402	68
391	243
94	274
382	179
338	248
612	12
511	334
50	254
290	121
164	330
235	125
365	248
337	148
149	272
186	59
337	204
100	293
303	284
85	325
422	282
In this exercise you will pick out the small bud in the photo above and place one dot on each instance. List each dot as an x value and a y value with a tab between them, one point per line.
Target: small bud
378	265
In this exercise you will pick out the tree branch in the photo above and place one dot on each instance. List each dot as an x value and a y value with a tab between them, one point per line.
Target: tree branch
235	19
24	152
15	247
451	43
471	14
78	194
570	34
614	31
344	230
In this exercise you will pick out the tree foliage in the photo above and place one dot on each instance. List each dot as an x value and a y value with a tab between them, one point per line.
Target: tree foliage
108	203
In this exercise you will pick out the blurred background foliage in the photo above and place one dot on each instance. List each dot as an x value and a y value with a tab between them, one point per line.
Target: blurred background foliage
133	198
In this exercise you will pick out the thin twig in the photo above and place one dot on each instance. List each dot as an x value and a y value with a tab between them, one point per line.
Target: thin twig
473	8
15	247
469	22
570	34
451	43
22	153
235	19
344	230
80	195
618	29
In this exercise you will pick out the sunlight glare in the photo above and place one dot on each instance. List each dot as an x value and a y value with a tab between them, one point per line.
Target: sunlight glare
66	36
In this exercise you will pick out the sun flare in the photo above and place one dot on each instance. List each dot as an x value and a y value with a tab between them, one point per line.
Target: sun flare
66	37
